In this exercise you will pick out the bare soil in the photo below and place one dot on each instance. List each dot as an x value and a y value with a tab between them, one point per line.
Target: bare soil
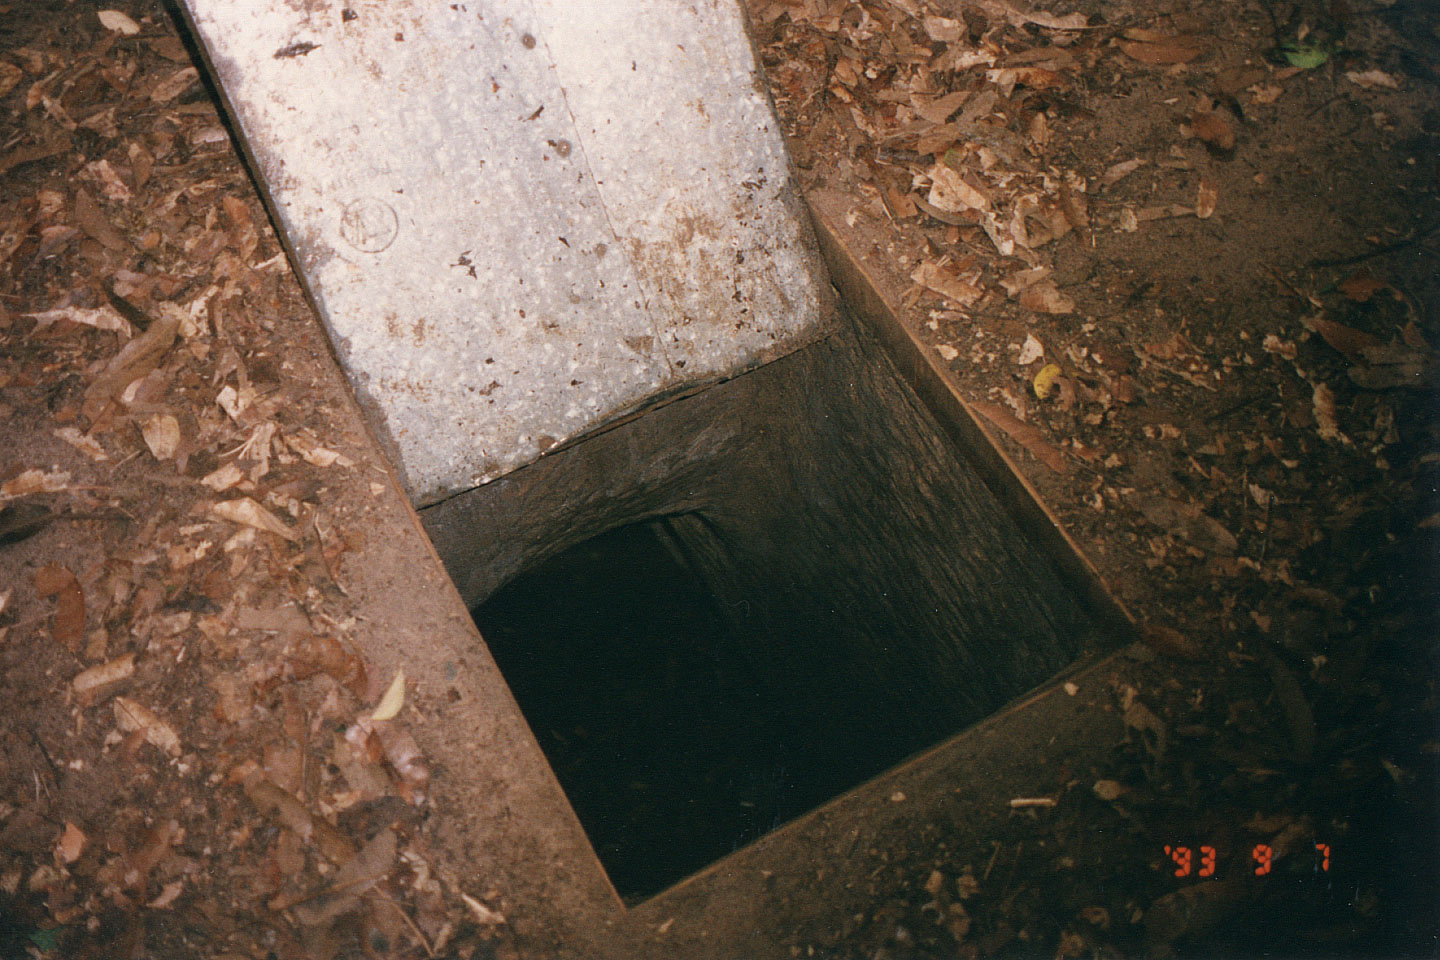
1182	260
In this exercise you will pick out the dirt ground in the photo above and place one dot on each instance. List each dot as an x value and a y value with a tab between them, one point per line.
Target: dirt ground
1181	258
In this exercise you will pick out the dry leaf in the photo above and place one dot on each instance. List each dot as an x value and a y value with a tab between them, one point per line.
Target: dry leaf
404	755
1207	195
93	684
1171	642
393	700
944	29
1109	790
118	22
1188	522
1413	337
10	76
1172	50
1031	351
111	186
354	878
249	513
482	914
311	652
34	480
223	478
1265	93
1036	78
1019	18
174	85
135	360
939	110
58	582
1143	720
162	435
70	844
1343	339
101	318
91	219
1361	285
1281	348
85	443
1372	79
1326	423
314	454
132	716
168	895
943	281
950	193
1119	171
1213	129
1045	297
1025	435
1392	365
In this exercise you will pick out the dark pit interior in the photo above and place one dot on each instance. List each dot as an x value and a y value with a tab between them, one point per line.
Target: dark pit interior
722	613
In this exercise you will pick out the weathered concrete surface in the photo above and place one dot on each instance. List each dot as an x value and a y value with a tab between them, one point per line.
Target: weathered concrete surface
517	221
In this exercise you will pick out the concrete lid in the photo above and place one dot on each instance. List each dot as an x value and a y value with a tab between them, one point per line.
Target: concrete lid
517	221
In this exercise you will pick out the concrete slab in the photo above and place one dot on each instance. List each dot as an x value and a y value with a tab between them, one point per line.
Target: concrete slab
518	222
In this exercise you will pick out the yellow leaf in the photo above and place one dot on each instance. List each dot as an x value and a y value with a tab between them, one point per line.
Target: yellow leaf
1045	379
393	700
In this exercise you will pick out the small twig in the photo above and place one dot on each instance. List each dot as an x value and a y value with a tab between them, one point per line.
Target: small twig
1378	251
994	855
424	941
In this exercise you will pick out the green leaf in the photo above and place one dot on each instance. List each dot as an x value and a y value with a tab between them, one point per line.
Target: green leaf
1305	56
47	941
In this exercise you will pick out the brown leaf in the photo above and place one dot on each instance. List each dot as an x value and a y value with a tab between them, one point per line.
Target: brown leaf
1036	78
237	211
939	110
1189	523
1207	195
135	717
1024	434
1346	340
1413	337
92	220
1170	642
1172	50
310	654
1361	285
135	360
1232	80
1045	297
354	878
404	755
60	583
1213	129
92	684
175	84
900	204
32	152
155	848
234	697
291	813
247	512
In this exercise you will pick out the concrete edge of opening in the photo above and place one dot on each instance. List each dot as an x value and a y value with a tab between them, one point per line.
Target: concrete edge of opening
754	900
940	393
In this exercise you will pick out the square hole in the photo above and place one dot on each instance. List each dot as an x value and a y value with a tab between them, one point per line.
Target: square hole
725	612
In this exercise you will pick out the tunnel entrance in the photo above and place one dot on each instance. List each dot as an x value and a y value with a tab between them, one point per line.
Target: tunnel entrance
722	613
